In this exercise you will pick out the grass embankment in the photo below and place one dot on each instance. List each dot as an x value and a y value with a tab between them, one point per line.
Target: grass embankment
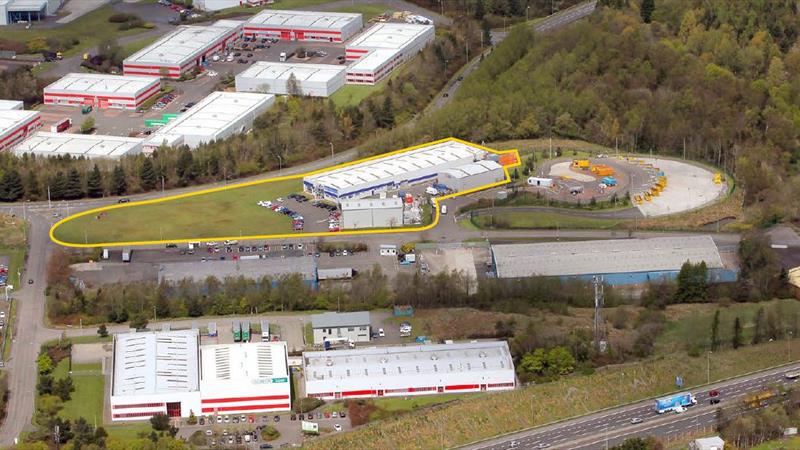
12	244
491	414
779	444
392	407
509	220
228	212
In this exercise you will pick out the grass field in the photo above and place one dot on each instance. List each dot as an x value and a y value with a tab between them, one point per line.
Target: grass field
353	94
229	212
134	46
525	220
779	444
16	261
91	339
87	400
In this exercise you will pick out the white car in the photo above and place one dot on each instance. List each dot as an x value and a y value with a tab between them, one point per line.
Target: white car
636	420
337	427
2	314
679	409
430	190
219	419
211	73
381	333
215	58
788	375
209	432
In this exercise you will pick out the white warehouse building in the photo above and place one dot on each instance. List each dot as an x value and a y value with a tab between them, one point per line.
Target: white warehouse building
383	47
16	125
169	372
409	370
13	11
316	80
332	326
182	50
392	171
102	90
76	145
471	176
219	115
372	213
303	25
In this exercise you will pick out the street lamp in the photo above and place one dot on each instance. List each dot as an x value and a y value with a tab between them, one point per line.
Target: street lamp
708	367
533	417
8	288
789	347
331	149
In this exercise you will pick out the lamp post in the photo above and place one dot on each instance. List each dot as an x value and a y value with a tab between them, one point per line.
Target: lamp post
8	288
533	417
708	367
331	149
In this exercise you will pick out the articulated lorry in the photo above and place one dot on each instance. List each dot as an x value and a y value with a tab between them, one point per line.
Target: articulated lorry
675	402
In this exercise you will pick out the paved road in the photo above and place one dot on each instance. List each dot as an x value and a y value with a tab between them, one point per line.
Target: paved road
627	213
565	17
614	426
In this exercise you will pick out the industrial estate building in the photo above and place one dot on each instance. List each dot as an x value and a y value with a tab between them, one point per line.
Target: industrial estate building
87	145
216	5
219	115
471	176
618	261
317	80
409	370
16	125
335	326
182	50
13	11
372	213
169	372
6	105
102	90
380	49
393	171
254	269
303	25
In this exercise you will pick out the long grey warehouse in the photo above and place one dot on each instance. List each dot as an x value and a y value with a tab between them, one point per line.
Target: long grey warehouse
619	261
471	176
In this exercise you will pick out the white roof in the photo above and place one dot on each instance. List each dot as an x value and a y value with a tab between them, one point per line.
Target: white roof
180	45
27	5
385	40
372	203
321	73
604	256
242	365
406	361
426	157
89	145
102	84
475	168
13	118
213	114
6	105
228	23
302	19
156	362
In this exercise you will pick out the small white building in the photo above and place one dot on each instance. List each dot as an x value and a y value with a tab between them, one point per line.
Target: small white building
13	11
102	90
709	443
303	25
316	80
87	145
372	213
16	125
472	176
219	115
244	378
379	50
334	326
409	370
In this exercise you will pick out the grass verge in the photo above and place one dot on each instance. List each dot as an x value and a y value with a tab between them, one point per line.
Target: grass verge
778	444
16	261
526	220
87	400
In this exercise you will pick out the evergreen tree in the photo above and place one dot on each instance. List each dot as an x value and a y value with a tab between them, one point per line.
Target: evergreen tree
647	8
11	186
737	340
119	186
487	33
515	8
715	332
32	185
94	183
758	332
184	166
58	186
147	175
387	113
73	188
480	10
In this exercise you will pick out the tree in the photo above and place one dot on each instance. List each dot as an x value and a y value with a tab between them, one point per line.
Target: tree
102	330
160	422
139	321
560	361
94	183
87	125
387	113
147	175
715	332
45	385
184	166
73	188
480	10
692	283
293	86
647	8
63	388
119	186
737	340
45	364
11	188
760	328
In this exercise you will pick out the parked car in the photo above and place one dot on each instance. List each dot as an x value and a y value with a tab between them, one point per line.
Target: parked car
337	427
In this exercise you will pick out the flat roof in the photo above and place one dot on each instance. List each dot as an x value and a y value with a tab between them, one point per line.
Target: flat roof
27	5
214	113
89	145
6	105
13	118
156	362
393	165
604	256
389	35
336	319
408	360
179	45
303	19
475	168
102	84
243	364
302	72
372	203
248	268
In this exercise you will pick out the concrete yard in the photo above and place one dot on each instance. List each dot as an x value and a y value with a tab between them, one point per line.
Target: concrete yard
688	187
563	170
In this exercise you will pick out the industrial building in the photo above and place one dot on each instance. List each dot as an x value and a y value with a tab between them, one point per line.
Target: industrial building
254	269
13	11
303	25
216	5
383	47
16	125
393	171
618	261
219	115
79	145
335	326
409	370
6	105
155	372
372	213
182	50
316	80
244	378
472	176
102	90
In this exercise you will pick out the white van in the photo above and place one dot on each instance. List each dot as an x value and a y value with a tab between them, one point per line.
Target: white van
444	209
283	56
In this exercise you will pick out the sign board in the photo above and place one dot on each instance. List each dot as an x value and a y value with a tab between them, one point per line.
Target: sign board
309	427
271	380
679	381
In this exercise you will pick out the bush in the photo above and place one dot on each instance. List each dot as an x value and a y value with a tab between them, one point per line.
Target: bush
269	433
307	404
123	17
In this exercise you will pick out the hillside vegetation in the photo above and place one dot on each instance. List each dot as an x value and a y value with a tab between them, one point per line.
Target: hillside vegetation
718	78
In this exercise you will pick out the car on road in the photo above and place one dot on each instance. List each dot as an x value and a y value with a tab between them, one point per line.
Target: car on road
265	446
513	444
30	280
713	397
381	333
636	420
337	427
792	375
209	432
124	200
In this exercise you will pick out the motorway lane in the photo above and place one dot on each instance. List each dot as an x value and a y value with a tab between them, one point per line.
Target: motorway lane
566	17
592	431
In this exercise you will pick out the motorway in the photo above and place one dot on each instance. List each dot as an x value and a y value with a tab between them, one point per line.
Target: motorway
610	427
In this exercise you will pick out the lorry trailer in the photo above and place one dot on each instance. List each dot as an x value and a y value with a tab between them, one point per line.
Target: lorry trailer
675	402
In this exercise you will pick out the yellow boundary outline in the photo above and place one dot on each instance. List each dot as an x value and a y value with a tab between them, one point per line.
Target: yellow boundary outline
301	235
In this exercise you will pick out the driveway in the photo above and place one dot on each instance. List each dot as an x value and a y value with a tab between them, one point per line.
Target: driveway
78	8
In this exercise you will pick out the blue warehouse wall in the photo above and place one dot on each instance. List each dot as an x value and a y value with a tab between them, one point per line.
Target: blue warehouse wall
629	278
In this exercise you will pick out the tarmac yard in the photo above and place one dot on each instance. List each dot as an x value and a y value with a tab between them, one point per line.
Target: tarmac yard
688	187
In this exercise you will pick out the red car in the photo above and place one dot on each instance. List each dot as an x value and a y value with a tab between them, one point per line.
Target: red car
713	397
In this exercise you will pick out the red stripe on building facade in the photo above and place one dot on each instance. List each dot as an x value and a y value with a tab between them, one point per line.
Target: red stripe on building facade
244	399
461	387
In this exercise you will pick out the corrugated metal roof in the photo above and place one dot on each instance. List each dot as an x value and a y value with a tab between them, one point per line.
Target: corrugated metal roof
305	19
180	45
101	84
475	168
242	364
156	362
320	73
12	118
336	320
89	145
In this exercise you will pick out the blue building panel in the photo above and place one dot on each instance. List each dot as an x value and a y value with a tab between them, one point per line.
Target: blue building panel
632	278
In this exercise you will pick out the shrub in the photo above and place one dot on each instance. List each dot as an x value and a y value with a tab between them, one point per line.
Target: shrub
307	404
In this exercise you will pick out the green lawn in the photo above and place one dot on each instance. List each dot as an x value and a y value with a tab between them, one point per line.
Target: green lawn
16	260
527	220
778	444
90	339
128	431
87	400
228	212
387	407
353	94
134	46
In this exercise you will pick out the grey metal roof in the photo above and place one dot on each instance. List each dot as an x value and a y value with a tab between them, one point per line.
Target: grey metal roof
337	320
604	256
248	268
338	273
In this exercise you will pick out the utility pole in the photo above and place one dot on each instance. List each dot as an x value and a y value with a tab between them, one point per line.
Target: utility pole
49	206
599	325
331	149
708	367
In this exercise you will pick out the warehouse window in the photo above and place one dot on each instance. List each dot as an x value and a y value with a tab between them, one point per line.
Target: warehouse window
351	329
384	370
348	372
